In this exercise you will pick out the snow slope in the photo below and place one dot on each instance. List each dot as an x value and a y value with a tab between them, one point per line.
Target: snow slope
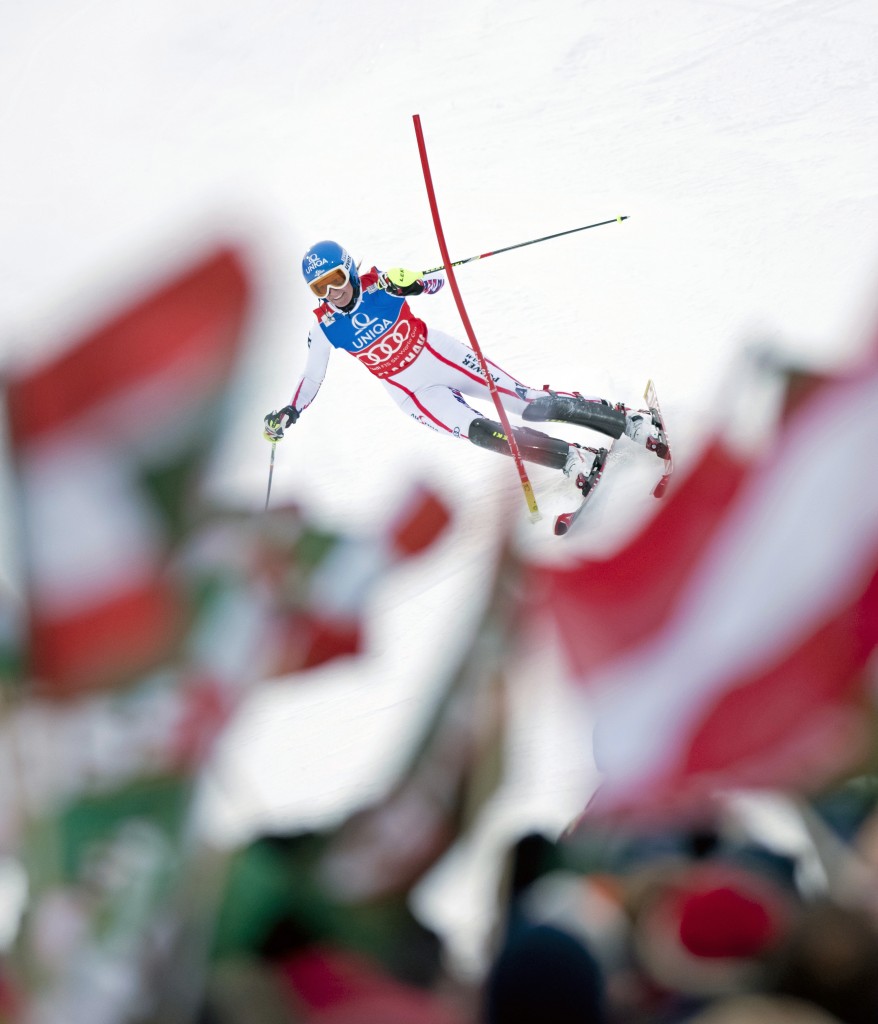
741	138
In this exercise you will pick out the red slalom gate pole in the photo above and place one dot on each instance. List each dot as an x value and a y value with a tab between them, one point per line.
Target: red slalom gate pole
452	280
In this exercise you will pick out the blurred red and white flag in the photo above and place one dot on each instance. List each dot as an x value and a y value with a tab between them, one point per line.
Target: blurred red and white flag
108	439
726	644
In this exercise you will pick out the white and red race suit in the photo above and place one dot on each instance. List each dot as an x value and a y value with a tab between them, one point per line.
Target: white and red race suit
425	371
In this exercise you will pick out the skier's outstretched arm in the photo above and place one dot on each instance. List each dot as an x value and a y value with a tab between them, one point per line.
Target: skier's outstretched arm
306	390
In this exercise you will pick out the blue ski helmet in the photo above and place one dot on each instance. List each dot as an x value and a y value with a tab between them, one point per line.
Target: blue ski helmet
324	257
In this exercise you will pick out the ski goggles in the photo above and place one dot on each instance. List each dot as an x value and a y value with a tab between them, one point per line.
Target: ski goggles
336	278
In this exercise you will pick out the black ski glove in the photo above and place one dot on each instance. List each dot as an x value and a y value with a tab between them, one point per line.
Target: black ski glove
274	429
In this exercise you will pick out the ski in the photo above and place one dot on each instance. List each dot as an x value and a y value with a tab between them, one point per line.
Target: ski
651	399
587	484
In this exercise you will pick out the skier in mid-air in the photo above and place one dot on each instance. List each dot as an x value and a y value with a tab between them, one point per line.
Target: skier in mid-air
428	373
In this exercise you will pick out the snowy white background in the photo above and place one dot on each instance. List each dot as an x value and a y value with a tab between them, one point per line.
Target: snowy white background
741	138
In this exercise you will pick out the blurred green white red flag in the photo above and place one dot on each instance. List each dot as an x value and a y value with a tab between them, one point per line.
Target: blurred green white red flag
109	439
148	615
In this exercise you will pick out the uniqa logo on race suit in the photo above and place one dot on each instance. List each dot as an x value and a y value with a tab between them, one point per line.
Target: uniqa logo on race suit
368	329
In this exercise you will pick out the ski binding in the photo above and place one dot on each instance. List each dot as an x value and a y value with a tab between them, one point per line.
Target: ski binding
586	483
651	399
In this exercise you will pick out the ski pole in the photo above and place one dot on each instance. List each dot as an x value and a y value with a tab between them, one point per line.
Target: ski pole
519	245
270	474
526	485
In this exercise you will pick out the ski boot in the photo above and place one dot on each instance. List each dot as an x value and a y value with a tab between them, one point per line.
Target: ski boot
643	429
585	465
